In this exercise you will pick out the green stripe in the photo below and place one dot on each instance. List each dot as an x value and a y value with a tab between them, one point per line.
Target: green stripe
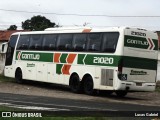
92	59
138	42
58	68
129	62
141	63
100	60
80	58
35	56
63	58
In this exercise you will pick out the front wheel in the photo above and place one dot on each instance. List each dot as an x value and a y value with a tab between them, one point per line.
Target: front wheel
18	76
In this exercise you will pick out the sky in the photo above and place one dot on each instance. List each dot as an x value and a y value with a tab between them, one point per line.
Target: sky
93	13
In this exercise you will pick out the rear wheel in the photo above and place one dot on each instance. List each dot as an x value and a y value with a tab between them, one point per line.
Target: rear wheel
88	86
18	76
75	84
121	93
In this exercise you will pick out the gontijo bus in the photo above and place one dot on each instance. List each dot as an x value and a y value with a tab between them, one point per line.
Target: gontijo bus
119	59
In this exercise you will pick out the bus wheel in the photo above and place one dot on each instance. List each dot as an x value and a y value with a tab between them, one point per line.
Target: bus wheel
88	86
18	75
121	93
75	84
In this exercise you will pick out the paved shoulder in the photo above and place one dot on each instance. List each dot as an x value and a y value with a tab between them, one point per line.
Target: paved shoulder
56	104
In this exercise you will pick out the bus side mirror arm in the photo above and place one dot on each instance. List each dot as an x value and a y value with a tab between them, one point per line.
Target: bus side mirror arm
4	47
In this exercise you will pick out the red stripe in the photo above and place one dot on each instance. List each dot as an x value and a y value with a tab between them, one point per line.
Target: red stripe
150	43
56	57
65	69
71	58
86	30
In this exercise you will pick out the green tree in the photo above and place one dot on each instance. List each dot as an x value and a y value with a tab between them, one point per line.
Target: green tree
37	23
12	27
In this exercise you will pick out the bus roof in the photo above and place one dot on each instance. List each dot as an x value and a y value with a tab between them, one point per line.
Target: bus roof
77	30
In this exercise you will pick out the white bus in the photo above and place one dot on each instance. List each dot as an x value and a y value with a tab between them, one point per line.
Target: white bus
119	59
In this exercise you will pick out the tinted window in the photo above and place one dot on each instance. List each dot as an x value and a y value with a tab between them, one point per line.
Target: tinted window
64	42
94	42
35	42
110	41
23	42
13	41
79	42
10	49
49	42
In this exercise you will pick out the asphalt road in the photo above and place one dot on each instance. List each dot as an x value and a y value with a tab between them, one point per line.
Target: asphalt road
61	104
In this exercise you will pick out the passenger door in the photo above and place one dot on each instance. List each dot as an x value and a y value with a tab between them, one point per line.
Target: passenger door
10	57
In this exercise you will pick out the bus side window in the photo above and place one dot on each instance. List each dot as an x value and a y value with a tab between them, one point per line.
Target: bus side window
79	42
36	42
23	42
64	42
49	42
94	41
110	42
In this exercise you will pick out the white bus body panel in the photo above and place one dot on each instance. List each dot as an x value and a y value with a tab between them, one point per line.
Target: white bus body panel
104	77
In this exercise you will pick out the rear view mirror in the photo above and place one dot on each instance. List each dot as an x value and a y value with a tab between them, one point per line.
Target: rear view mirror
4	47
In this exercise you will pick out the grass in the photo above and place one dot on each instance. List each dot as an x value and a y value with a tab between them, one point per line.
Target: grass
157	89
4	108
5	79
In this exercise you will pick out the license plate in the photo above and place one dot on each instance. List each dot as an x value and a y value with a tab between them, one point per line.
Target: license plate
138	84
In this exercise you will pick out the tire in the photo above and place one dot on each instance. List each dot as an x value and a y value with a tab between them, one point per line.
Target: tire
18	76
88	86
75	84
121	93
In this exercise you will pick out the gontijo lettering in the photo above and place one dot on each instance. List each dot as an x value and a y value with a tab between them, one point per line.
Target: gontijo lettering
138	42
31	56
